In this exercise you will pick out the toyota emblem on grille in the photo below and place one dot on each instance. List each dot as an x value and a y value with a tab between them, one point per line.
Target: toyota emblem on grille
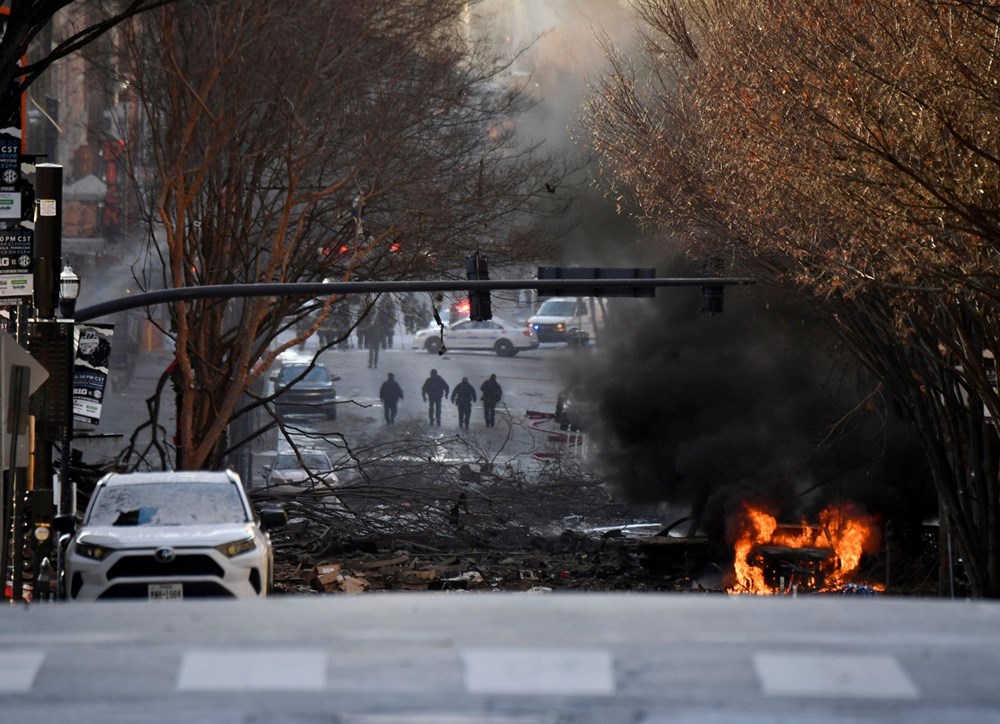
164	555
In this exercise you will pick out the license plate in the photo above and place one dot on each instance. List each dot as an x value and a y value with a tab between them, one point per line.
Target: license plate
166	592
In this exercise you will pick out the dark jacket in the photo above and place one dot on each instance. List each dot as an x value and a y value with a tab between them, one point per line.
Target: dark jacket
390	392
492	392
464	393
435	387
374	333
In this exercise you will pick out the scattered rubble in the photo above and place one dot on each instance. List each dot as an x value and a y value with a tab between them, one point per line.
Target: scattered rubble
427	527
570	561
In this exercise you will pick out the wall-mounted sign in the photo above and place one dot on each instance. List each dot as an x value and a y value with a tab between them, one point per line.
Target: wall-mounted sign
10	205
16	278
10	161
90	370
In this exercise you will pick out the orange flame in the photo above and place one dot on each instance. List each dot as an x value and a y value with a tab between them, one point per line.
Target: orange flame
846	531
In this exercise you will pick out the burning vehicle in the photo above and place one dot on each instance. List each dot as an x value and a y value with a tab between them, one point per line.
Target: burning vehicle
774	559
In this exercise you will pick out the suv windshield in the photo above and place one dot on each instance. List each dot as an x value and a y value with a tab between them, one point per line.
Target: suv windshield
319	373
311	461
168	503
557	308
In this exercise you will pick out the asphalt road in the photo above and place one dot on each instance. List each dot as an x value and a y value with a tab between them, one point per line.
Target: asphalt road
530	381
503	659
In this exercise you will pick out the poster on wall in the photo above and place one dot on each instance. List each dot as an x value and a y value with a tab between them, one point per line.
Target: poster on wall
90	370
16	249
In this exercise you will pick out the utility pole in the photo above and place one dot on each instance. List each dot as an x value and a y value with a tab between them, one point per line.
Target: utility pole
50	342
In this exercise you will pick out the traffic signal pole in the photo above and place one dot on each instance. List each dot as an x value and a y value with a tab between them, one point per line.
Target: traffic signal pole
582	287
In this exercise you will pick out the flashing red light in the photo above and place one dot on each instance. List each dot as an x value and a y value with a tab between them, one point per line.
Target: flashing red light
394	247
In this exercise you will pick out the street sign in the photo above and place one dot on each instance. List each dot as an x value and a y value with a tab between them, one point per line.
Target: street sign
16	267
11	355
596	273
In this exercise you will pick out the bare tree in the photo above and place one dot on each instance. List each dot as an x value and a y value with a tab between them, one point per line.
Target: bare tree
844	149
310	141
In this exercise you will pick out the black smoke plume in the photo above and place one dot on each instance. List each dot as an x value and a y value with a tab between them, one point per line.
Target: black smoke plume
758	404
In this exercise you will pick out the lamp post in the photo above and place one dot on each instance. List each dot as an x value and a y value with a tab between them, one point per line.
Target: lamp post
69	290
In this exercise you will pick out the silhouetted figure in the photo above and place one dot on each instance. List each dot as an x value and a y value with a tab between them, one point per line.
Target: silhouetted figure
390	393
492	394
302	326
433	390
386	314
423	316
410	314
463	396
374	339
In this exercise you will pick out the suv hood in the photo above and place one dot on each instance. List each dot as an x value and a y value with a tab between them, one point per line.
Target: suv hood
549	319
181	536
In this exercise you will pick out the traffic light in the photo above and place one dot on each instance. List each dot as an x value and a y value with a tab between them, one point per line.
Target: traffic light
711	300
480	308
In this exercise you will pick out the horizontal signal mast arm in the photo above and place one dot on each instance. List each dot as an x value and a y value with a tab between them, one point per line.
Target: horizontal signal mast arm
313	289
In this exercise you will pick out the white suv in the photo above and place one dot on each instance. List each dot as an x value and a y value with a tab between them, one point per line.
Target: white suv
170	536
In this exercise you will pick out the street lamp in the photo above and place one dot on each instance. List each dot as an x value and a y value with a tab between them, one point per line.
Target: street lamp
69	290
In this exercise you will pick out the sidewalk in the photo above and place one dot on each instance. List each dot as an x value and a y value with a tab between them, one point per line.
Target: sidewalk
124	409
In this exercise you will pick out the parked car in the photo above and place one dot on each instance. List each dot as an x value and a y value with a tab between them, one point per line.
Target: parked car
305	471
305	387
170	536
496	335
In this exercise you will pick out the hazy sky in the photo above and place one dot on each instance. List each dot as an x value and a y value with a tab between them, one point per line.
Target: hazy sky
563	52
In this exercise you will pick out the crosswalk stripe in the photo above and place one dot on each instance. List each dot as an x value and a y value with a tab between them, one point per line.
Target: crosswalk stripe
18	668
856	676
257	670
580	672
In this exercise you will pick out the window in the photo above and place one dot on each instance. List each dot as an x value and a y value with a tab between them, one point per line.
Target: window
289	373
168	503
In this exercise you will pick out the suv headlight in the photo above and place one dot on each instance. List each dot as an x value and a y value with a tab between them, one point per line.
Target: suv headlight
235	548
94	552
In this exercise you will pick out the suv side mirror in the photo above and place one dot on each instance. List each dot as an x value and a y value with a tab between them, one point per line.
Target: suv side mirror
273	518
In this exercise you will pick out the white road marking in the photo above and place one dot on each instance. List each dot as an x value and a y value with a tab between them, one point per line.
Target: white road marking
449	718
253	669
579	672
857	676
43	638
18	669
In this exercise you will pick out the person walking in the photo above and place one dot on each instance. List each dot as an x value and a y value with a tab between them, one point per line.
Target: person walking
390	393
463	396
433	390
374	339
492	393
387	313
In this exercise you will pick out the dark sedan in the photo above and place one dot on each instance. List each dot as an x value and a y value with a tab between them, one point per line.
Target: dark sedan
304	387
